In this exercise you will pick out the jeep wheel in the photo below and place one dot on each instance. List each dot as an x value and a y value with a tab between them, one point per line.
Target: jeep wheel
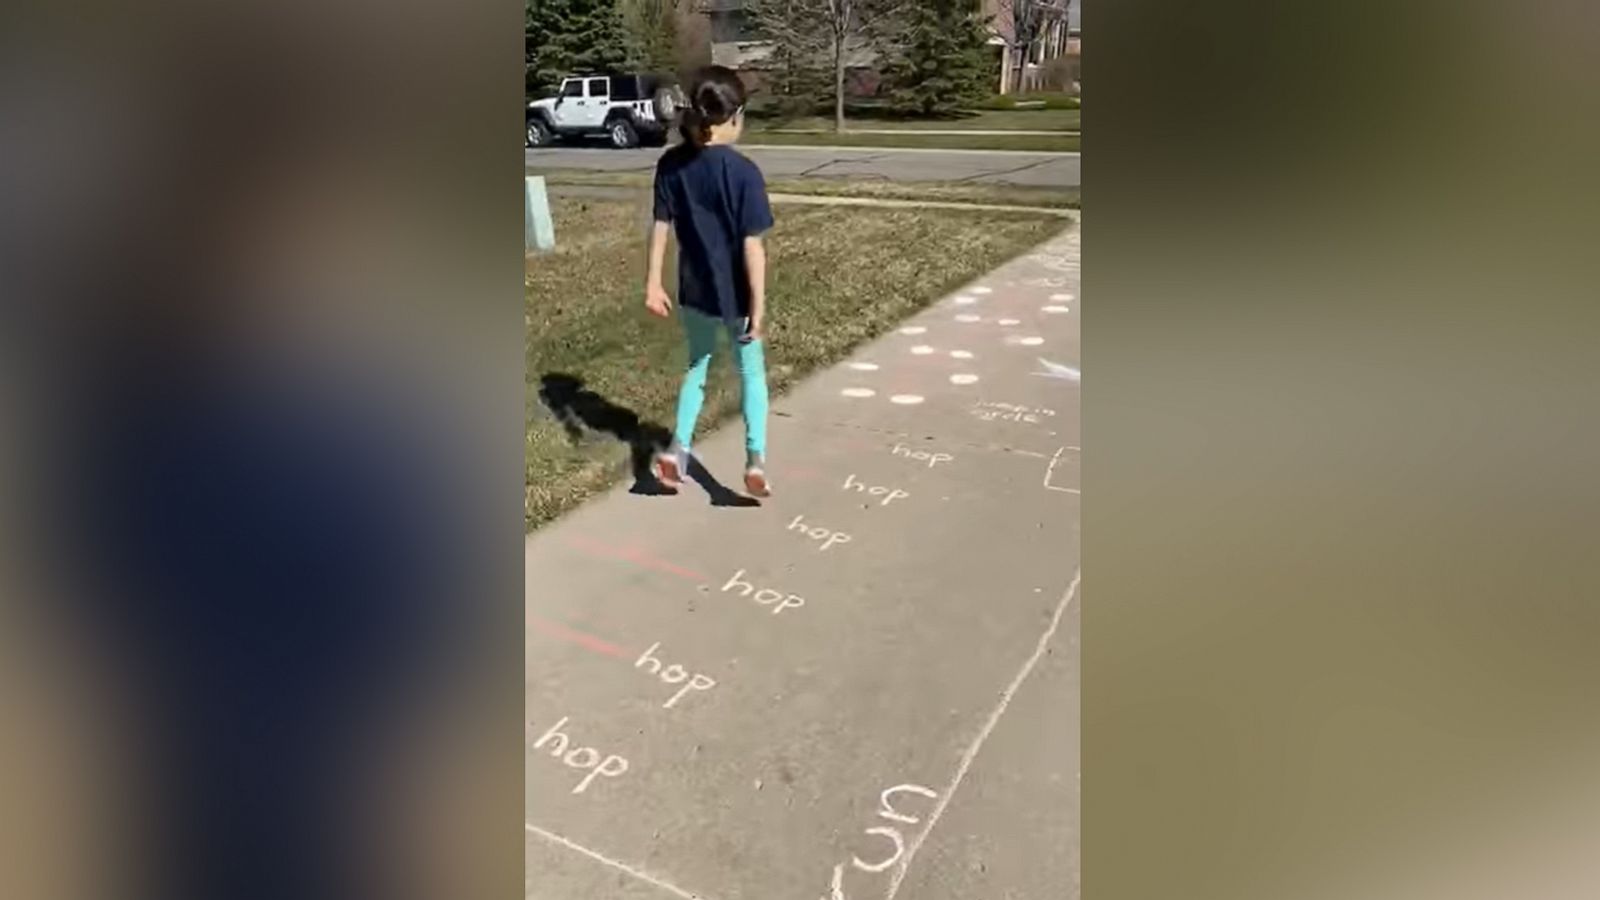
538	133
668	101
623	135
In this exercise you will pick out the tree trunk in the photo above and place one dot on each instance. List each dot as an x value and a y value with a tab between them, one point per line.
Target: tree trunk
838	86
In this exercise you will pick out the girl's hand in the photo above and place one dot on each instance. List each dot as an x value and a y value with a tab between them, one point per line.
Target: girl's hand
753	333
657	301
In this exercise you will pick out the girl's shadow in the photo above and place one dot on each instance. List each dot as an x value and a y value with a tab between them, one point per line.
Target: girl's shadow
577	408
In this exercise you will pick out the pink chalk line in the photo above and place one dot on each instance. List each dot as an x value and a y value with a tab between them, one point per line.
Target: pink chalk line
586	641
637	557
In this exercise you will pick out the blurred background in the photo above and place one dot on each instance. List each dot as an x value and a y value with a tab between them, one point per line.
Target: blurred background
262	412
261	394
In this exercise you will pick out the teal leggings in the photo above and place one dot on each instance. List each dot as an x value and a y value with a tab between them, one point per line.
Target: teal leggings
702	330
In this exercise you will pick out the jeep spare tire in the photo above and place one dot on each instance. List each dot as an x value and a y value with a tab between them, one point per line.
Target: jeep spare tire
668	102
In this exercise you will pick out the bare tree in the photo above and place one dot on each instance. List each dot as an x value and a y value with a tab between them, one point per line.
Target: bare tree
855	23
799	57
844	21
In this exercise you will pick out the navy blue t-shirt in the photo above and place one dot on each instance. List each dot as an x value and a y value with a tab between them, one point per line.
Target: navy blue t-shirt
715	198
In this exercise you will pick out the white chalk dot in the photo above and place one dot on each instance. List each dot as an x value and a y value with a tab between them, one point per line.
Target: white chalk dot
913	329
961	354
963	379
864	366
1060	296
1031	341
969	318
966	301
858	392
983	290
1010	321
906	399
922	350
1055	309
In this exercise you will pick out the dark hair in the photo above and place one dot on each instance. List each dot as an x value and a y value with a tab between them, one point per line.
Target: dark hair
715	96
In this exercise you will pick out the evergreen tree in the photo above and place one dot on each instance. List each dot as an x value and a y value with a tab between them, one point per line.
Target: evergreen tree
942	59
568	37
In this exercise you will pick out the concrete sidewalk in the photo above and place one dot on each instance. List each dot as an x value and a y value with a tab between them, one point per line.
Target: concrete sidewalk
866	687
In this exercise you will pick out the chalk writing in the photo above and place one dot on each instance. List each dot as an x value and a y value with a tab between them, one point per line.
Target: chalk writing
1050	473
893	834
888	812
929	457
888	494
673	674
886	809
990	411
582	758
764	596
828	537
1057	370
1056	261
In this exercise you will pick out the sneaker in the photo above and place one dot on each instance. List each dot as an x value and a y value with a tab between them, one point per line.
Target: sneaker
755	477
670	466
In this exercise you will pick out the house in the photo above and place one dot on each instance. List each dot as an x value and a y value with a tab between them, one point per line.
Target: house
1058	36
737	43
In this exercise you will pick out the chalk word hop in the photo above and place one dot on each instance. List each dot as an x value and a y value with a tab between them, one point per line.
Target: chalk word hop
673	674
778	600
888	811
888	494
826	537
560	745
923	456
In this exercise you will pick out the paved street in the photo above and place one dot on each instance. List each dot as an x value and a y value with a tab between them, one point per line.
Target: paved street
993	166
865	687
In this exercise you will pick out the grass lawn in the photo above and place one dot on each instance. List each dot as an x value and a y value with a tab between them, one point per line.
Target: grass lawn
1033	142
995	119
840	276
944	191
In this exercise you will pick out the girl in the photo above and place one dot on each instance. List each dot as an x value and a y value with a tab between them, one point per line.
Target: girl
716	201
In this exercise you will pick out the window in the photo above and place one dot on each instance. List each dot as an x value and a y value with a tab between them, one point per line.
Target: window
572	88
598	87
628	87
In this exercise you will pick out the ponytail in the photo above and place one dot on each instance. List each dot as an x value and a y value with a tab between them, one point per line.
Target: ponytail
694	129
716	96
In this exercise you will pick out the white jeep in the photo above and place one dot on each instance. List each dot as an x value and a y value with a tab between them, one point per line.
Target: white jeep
625	109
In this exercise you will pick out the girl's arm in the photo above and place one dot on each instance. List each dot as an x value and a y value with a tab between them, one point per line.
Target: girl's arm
655	294
755	264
